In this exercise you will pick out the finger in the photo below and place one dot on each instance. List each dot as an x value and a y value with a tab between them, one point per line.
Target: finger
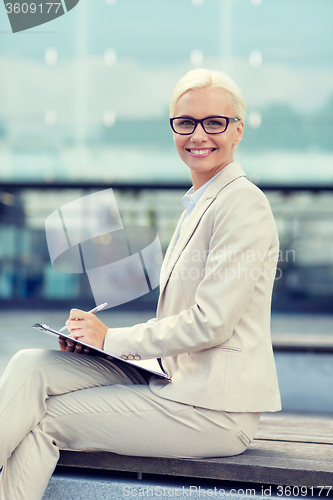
73	324
86	350
77	314
70	346
62	343
77	337
78	348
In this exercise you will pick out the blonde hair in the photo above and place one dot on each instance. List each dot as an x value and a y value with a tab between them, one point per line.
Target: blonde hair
204	78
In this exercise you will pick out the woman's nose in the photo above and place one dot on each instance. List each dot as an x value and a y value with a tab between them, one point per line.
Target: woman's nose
199	134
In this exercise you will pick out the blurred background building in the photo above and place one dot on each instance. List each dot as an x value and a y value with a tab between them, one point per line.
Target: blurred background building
84	104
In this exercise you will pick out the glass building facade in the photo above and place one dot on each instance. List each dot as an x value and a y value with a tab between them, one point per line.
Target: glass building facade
84	99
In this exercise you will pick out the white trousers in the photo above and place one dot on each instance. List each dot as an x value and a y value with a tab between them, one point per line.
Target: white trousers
53	399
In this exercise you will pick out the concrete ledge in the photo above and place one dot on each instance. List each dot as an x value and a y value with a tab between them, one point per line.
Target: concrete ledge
291	342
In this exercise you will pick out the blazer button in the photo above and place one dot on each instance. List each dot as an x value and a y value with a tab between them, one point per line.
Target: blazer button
124	356
137	357
130	356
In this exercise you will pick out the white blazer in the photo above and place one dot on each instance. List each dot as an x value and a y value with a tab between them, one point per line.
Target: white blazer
212	326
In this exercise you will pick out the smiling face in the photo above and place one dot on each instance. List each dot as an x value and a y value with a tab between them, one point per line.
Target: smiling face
206	154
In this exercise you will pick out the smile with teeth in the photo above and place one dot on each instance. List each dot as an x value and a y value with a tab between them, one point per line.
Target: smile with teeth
201	151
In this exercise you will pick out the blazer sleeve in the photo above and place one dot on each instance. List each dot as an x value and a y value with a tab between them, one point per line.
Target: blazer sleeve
243	243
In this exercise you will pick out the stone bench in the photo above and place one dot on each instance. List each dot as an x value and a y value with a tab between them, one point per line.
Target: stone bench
289	449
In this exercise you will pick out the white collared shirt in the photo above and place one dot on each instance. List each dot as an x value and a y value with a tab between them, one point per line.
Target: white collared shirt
190	199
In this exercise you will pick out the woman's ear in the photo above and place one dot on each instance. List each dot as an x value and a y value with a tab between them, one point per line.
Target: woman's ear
239	133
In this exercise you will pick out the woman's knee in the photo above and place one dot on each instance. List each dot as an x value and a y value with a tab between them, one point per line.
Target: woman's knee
29	360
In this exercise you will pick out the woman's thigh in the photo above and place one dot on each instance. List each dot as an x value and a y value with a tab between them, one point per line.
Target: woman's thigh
131	420
33	376
59	372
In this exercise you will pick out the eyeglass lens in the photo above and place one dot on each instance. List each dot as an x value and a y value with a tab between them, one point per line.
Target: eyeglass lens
214	125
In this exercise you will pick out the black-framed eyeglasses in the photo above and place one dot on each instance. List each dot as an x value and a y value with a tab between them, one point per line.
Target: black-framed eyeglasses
186	125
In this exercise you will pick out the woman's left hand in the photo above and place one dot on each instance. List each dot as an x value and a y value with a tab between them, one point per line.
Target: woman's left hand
86	327
71	346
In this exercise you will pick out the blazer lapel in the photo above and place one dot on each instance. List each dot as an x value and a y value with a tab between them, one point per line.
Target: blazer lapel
171	247
177	245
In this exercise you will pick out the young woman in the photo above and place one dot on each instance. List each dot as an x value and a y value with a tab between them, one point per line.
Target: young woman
211	331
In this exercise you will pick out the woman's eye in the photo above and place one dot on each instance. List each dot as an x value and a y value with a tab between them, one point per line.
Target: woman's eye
186	123
214	123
